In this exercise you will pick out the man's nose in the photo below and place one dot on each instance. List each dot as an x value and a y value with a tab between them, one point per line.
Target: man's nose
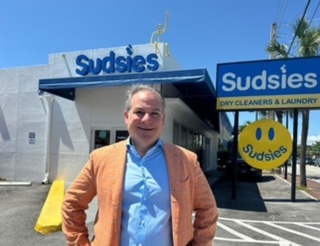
146	117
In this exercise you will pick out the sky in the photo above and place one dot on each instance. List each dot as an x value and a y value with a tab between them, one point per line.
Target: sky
200	34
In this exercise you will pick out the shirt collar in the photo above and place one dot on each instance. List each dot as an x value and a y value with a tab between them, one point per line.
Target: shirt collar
159	144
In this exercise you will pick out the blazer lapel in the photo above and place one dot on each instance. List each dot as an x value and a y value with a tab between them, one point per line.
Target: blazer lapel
118	160
116	176
174	173
174	170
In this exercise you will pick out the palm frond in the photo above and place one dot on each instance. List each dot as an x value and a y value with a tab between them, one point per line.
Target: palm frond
310	43
277	50
300	26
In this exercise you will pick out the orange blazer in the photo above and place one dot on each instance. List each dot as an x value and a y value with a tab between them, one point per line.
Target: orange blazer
103	176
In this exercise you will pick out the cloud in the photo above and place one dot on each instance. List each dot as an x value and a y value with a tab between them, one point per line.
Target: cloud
311	139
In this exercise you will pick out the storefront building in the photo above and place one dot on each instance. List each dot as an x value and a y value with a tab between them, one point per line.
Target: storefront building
52	116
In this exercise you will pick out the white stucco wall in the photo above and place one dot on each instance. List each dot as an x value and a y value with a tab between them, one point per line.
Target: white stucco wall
177	111
68	124
73	122
22	112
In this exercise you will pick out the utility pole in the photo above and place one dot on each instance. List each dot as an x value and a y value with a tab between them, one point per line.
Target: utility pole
271	113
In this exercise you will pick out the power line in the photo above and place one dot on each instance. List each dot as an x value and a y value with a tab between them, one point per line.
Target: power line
281	11
295	35
314	13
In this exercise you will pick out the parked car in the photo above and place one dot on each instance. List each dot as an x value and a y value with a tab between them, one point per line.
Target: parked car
309	161
317	162
244	170
289	162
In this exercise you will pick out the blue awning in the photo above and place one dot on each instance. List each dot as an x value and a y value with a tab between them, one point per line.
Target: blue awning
193	86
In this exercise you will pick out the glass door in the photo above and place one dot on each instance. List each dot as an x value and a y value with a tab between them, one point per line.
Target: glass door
121	135
101	138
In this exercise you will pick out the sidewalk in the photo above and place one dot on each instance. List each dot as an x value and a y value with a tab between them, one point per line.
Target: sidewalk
313	187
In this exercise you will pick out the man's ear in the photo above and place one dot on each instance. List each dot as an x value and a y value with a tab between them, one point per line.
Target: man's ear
164	119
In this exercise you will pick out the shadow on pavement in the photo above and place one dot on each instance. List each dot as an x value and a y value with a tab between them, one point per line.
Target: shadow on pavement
252	195
267	178
247	195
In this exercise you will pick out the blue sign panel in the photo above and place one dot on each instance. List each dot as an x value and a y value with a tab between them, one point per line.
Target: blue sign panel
269	84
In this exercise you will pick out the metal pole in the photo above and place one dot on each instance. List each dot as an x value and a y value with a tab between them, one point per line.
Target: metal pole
274	30
286	164
294	155
234	155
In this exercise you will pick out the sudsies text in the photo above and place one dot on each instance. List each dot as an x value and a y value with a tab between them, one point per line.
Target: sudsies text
265	81
268	155
113	63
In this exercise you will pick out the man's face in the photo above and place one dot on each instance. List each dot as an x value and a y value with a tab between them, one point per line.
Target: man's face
145	120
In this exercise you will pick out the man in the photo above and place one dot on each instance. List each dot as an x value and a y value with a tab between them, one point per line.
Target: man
147	190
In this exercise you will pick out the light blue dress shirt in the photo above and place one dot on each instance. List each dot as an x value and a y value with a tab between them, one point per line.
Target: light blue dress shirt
146	208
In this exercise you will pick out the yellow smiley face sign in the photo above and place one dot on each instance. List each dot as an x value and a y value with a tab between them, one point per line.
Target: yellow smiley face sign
265	144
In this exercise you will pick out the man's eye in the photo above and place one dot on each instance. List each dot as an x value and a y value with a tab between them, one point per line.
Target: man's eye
140	113
155	114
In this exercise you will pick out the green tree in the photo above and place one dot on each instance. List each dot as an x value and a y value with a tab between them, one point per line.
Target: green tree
315	149
246	123
308	43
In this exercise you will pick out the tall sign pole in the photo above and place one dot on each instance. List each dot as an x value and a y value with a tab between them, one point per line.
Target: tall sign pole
235	155
294	155
271	114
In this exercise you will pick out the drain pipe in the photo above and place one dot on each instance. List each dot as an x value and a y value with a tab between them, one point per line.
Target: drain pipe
50	99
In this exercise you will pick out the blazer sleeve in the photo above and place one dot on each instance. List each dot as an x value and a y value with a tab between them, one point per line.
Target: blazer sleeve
205	208
76	201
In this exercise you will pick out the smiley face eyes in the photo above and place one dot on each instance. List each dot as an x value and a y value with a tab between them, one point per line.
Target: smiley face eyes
258	133
271	133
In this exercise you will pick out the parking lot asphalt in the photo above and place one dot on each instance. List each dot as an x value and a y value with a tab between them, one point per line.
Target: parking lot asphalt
20	208
271	199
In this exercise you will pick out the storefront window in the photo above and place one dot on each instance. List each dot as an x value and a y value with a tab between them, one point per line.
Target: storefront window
121	135
101	138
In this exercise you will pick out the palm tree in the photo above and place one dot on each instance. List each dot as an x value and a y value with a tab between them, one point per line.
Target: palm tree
277	50
246	123
308	42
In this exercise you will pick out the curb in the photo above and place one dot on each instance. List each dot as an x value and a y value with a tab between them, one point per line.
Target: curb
50	218
14	183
